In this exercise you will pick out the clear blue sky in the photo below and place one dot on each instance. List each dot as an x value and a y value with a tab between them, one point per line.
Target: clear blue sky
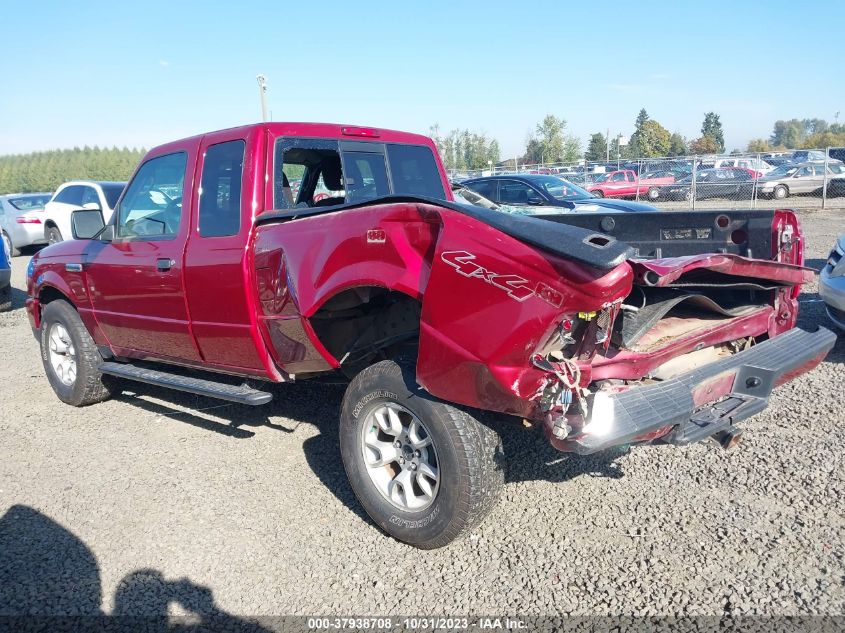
140	73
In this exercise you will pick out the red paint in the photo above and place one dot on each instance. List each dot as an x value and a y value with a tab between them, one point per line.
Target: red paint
242	304
627	184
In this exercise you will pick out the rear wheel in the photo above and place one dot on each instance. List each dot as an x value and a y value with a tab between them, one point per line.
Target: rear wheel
424	471
54	235
780	192
70	357
10	248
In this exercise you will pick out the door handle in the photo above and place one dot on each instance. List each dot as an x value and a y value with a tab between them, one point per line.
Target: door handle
164	264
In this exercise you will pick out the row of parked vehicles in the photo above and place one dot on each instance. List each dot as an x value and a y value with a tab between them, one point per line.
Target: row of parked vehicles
30	219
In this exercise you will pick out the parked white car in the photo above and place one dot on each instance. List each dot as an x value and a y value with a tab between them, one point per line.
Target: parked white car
21	223
745	162
73	196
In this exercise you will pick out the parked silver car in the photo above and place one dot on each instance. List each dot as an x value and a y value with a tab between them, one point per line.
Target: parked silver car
798	178
21	221
832	283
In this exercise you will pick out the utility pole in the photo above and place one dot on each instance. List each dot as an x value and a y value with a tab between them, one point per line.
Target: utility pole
607	146
262	90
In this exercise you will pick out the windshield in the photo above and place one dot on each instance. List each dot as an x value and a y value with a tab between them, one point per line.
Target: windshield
560	189
29	203
783	170
600	178
112	193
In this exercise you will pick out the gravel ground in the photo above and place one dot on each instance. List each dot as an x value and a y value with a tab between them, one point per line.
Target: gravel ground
157	502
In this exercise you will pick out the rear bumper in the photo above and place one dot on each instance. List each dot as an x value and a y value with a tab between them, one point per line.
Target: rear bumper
23	235
707	400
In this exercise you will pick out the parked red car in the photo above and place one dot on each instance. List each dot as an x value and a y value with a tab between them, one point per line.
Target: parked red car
602	329
625	183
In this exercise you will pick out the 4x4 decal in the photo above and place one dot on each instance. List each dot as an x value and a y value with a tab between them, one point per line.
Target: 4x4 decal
515	286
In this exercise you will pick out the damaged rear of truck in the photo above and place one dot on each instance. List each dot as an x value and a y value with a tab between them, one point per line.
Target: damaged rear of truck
602	329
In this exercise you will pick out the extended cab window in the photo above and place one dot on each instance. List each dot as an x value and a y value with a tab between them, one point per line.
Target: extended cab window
220	190
152	206
307	173
414	171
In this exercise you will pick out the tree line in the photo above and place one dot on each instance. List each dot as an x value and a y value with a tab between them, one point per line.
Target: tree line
550	142
45	171
800	134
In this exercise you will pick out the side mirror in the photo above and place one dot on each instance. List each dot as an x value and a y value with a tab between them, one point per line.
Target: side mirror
91	206
86	223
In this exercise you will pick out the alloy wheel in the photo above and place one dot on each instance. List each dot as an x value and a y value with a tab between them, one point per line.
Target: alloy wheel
400	457
62	354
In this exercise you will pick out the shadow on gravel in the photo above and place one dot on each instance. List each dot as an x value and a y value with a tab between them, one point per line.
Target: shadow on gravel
815	264
811	315
527	455
18	298
50	580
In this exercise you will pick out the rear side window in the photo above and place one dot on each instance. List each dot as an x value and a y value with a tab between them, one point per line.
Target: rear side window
414	171
71	195
28	203
486	188
89	196
220	189
366	176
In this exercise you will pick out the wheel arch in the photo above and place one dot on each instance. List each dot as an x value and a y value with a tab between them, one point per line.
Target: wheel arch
365	323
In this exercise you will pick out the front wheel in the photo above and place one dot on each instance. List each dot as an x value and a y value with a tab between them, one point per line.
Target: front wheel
424	471
70	357
598	193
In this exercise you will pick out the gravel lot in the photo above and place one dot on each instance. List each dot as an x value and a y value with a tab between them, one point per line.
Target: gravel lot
158	502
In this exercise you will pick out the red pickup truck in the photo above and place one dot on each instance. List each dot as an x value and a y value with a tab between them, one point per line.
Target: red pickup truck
602	329
625	183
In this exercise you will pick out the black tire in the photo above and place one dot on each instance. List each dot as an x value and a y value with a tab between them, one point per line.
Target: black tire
780	192
467	453
5	298
653	193
53	235
90	385
10	248
598	193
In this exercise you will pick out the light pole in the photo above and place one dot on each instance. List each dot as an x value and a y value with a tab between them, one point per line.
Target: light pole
262	91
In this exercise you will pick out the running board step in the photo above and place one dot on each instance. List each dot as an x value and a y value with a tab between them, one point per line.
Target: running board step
241	394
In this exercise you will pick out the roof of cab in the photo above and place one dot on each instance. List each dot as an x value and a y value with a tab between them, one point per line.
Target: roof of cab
317	130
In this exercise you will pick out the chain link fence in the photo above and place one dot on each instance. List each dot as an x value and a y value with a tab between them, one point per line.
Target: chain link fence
793	179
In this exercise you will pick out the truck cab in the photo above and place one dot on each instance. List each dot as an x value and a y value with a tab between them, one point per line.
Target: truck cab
173	280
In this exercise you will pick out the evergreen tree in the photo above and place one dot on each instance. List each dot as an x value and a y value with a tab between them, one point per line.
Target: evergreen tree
44	171
712	128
